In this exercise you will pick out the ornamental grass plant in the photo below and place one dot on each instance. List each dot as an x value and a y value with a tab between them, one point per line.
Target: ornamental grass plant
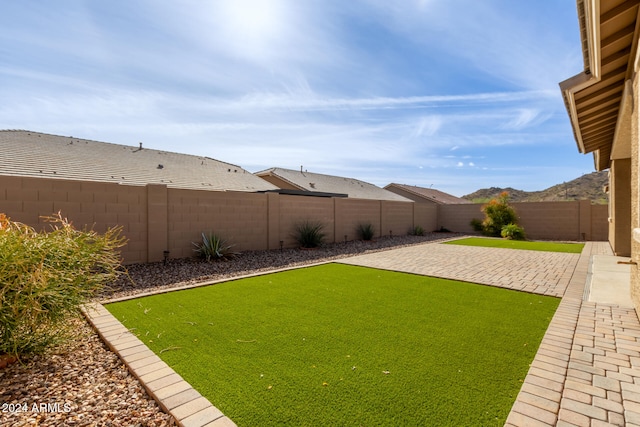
46	276
309	234
366	231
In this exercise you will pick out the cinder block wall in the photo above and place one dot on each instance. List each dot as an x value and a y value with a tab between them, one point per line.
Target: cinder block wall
550	220
155	218
240	218
426	216
92	205
573	220
349	213
295	210
458	217
396	218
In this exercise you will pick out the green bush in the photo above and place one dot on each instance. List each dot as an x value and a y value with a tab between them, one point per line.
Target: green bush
512	232
498	213
46	276
309	234
477	225
366	231
417	231
213	247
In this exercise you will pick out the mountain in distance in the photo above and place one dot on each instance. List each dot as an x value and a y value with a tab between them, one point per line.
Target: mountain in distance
587	187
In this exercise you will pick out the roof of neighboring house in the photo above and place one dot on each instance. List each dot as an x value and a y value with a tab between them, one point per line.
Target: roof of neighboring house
597	97
316	182
25	153
427	194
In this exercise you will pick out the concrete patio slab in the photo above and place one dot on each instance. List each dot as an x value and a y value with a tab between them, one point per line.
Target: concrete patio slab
608	280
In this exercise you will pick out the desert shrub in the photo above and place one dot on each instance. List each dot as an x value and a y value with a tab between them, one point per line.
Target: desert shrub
366	231
417	231
213	247
476	224
309	234
46	276
498	213
512	232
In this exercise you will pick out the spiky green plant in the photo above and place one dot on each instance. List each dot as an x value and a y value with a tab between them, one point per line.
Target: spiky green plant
213	247
366	231
309	234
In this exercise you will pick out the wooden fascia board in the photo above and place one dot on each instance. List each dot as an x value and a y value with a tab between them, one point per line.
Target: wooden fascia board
591	26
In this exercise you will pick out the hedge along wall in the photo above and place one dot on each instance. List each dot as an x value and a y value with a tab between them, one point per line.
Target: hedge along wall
156	218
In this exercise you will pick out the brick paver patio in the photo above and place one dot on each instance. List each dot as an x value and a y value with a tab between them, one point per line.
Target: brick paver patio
586	371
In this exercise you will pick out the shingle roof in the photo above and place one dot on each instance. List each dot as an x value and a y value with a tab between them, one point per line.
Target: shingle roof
317	182
428	194
34	154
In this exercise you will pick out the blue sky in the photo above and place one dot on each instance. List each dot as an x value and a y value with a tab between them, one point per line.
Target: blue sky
454	94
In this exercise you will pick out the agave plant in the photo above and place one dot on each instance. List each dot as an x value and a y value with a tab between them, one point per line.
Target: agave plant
366	231
309	234
213	247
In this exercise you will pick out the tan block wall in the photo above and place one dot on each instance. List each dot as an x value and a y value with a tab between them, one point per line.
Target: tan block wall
156	218
458	217
295	210
599	219
349	213
574	221
396	218
550	220
240	218
91	205
426	216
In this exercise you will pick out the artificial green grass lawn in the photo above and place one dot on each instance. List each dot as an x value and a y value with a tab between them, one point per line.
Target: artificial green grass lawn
344	345
574	248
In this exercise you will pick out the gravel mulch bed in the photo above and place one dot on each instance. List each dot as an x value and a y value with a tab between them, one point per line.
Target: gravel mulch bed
151	277
85	384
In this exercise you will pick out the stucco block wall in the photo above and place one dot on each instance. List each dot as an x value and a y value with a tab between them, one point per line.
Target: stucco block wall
396	218
550	220
349	213
295	210
92	205
458	217
426	216
576	220
155	218
240	218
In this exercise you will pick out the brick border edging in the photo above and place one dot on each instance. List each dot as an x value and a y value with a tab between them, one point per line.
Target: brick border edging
538	402
174	395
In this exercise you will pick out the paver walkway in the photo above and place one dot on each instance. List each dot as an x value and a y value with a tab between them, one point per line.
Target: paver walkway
587	369
539	272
